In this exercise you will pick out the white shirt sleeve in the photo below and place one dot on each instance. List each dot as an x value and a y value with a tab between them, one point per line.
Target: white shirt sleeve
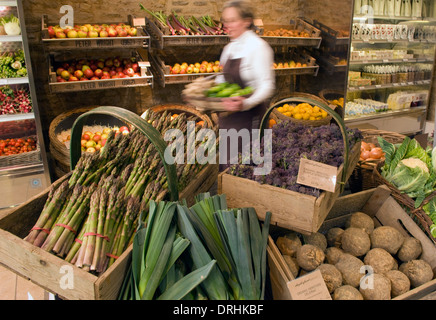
260	75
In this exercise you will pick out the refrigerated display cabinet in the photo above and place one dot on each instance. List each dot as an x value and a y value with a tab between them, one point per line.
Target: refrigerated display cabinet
391	65
23	161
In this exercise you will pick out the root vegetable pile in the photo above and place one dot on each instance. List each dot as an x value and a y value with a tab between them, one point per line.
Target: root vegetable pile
393	260
14	101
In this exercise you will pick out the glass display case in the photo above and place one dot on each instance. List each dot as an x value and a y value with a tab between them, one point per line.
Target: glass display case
391	64
23	162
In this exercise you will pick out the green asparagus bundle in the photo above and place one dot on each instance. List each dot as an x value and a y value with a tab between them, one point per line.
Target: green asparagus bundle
90	219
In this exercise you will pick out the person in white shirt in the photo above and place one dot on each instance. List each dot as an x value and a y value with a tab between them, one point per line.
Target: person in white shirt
248	61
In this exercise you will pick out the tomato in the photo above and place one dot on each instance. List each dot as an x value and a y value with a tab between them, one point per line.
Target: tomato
2	144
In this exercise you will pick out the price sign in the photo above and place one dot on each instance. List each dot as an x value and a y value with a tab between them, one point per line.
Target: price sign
309	287
317	175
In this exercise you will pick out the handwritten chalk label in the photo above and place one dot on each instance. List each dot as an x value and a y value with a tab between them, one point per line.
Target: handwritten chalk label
309	287
317	175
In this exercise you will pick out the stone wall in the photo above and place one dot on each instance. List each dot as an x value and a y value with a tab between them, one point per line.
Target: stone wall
103	11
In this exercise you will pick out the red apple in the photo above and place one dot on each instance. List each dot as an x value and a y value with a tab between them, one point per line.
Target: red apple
106	76
71	69
51	32
93	34
112	32
96	137
78	74
115	76
98	73
113	73
85	67
135	66
122	33
59	71
93	67
124	129
83	79
121	74
58	78
89	73
117	62
73	78
95	78
104	34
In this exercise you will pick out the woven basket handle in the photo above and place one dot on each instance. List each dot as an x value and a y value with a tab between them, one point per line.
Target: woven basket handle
335	116
135	120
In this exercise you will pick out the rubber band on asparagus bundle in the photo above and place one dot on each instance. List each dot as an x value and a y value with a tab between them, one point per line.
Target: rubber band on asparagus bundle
110	255
42	229
97	235
66	227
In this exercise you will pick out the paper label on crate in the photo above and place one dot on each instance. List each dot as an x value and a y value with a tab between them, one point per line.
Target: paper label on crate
309	287
317	175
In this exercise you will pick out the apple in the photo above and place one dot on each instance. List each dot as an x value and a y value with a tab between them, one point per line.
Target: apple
106	131
90	149
62	80
98	73
93	34
209	69
123	33
51	32
133	32
85	67
94	78
100	64
203	68
83	142
65	75
119	69
113	73
71	69
58	78
103	142
83	79
88	26
117	62
96	137
109	62
182	70
78	74
104	136
65	65
105	73
189	69
88	73
97	28
60	35
59	71
72	33
130	72
73	78
135	66
112	32
90	144
93	67
105	77
124	129
82	34
104	34
121	74
115	76
97	147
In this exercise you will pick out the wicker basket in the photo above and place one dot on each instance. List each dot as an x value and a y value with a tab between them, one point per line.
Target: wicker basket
417	214
21	159
179	108
314	123
362	177
65	121
327	94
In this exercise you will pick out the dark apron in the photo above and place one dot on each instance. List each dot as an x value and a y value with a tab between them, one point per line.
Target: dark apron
249	119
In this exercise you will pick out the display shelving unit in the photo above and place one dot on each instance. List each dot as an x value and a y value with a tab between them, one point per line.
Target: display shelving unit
27	174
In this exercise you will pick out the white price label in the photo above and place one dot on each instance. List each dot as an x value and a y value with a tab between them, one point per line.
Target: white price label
317	175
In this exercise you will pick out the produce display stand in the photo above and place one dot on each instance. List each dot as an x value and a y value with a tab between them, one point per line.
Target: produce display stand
162	76
145	79
299	24
160	37
303	57
378	204
331	37
290	210
56	44
44	268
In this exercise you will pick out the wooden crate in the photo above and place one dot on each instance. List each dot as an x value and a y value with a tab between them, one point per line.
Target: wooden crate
55	44
375	202
49	271
290	210
145	79
161	72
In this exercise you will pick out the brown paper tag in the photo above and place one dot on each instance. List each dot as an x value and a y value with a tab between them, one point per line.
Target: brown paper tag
311	286
317	175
